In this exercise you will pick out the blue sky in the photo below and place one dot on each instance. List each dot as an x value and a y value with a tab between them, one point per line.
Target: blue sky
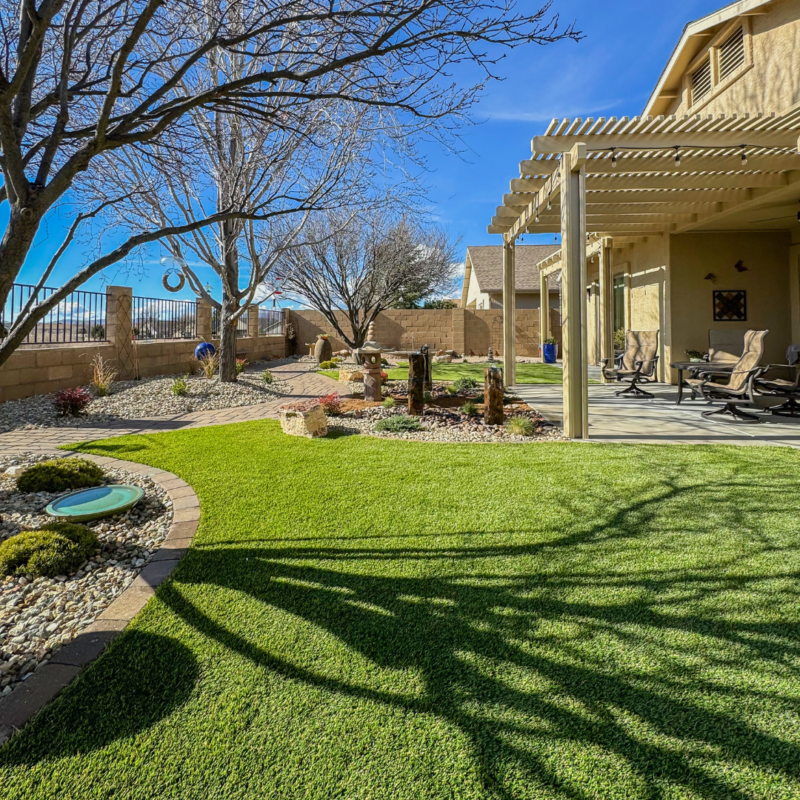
611	72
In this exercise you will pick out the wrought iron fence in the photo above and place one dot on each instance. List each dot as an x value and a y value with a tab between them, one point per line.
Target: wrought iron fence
241	324
270	321
154	318
79	317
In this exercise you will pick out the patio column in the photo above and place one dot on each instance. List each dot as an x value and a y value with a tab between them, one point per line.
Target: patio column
573	292
544	308
509	306
794	288
606	302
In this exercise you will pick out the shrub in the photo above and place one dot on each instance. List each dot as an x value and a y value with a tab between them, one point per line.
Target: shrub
451	390
389	402
465	383
102	376
427	397
97	332
209	363
267	376
398	424
384	377
337	360
327	365
241	363
520	426
180	387
60	475
57	549
331	404
469	408
619	339
551	340
71	402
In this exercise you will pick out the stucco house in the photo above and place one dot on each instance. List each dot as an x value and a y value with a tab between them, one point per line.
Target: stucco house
683	219
483	277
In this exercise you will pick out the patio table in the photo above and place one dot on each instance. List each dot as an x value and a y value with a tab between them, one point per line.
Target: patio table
705	366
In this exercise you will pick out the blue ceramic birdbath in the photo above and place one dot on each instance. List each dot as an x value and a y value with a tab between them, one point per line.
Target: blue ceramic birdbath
204	350
101	501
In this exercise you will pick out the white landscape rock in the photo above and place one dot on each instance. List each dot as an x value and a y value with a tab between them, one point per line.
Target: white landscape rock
304	419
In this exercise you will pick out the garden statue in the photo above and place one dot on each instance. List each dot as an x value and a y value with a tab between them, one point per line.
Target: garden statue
370	353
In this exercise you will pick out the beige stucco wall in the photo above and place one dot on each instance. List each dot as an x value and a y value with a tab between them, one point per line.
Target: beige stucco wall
773	82
766	256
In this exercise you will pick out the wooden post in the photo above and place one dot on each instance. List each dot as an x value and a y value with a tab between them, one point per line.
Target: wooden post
573	291
509	309
416	383
544	310
606	303
427	372
493	413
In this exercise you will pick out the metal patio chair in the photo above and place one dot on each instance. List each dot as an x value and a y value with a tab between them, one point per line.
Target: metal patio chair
781	380
739	391
637	363
725	348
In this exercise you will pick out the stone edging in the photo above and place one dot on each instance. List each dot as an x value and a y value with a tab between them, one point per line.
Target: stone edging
30	697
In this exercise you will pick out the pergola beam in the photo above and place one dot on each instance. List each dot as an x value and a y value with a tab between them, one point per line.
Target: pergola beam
668	196
652	181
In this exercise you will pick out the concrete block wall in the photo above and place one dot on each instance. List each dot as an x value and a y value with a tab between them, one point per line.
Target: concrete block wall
33	370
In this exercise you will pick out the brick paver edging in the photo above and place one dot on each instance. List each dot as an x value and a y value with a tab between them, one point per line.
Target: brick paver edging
27	699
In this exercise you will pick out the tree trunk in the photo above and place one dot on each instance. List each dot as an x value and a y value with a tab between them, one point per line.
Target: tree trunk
493	412
227	342
416	383
15	245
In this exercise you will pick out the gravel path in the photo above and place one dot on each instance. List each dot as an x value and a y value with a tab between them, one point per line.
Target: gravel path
40	615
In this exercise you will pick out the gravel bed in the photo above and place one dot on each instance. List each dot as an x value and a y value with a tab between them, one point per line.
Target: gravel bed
40	615
149	397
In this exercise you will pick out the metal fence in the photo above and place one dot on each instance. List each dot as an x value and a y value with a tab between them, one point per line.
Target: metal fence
80	317
241	324
270	321
154	318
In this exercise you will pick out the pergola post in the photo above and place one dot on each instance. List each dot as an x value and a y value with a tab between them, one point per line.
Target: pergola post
544	309
509	321
573	286
606	302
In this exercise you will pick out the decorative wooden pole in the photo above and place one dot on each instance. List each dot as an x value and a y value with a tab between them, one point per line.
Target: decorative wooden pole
416	383
493	396
427	382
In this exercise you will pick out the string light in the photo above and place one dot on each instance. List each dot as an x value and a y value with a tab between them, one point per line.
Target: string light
677	157
549	204
613	158
744	155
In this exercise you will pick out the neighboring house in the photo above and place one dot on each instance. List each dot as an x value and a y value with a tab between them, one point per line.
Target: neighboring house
483	276
689	216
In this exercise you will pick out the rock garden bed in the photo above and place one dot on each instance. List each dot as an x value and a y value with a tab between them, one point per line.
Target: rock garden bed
39	615
148	397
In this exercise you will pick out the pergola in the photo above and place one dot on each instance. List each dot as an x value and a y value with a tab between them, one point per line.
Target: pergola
603	182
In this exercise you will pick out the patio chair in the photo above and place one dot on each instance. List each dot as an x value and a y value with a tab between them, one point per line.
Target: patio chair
739	391
725	348
787	387
636	364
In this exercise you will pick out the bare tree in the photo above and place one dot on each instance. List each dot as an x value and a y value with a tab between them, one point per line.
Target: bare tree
83	79
365	264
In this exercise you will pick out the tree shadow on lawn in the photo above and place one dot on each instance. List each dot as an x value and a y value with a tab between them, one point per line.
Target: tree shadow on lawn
141	679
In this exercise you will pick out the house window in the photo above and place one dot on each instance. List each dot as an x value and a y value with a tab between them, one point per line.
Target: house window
619	302
701	82
731	54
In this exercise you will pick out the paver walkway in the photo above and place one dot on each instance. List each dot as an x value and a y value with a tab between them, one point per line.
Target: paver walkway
304	384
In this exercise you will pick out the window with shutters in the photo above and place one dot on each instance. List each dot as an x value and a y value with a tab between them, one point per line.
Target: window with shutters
731	54
701	82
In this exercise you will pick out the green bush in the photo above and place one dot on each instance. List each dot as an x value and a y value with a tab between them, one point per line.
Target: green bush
59	548
180	387
267	376
520	426
469	408
60	475
428	397
389	402
398	424
327	365
465	383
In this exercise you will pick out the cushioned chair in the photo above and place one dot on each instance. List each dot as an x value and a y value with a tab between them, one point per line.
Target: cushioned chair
725	348
781	380
636	364
739	391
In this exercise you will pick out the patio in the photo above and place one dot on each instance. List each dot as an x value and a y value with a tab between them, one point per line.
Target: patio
660	420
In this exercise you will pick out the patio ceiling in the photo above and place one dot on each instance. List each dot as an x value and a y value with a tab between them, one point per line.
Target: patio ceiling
637	186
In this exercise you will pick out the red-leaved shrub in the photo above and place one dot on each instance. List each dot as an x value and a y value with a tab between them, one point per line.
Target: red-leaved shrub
71	402
384	377
331	404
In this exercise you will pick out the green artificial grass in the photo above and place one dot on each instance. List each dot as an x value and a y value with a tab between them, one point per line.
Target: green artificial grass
526	373
374	619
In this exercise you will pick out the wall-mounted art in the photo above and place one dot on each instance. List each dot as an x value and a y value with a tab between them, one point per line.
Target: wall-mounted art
730	306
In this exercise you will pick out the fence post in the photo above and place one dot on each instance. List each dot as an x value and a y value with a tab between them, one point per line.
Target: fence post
252	321
203	320
119	328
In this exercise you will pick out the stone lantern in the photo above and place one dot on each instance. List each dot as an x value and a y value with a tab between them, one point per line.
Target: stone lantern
371	353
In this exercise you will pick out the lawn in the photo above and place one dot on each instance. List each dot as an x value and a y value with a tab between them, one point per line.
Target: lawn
391	620
526	373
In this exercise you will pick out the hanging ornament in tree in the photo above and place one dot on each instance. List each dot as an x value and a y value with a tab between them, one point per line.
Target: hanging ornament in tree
181	280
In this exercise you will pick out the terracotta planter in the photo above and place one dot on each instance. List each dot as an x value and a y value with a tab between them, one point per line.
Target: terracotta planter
323	351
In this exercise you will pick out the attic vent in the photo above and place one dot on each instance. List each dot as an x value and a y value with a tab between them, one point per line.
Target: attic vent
731	54
701	82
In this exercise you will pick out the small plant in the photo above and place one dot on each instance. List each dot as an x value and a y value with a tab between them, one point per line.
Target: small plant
520	426
389	402
695	354
71	402
208	364
551	340
60	475
102	376
398	423
469	408
97	332
180	387
463	384
241	363
451	390
59	548
619	339
267	376
328	365
384	377
331	404
337	360
427	397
